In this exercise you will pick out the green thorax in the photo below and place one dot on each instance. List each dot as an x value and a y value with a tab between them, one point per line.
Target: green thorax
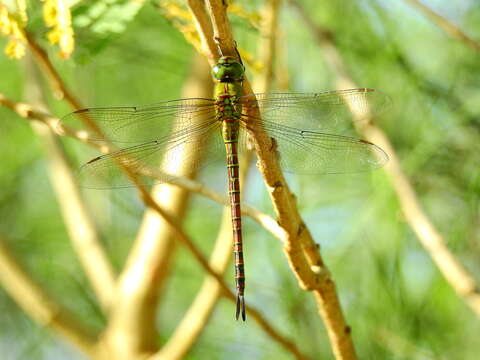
228	76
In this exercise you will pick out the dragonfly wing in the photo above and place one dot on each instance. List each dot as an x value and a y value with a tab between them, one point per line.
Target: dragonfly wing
139	124
154	161
311	152
323	111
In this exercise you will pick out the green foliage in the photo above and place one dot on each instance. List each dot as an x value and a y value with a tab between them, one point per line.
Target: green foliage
98	23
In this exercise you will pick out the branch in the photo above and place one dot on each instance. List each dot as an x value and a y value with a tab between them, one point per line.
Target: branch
445	25
80	226
197	316
456	275
39	305
299	247
222	32
204	29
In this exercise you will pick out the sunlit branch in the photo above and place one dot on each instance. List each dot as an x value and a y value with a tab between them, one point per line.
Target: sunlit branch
299	247
39	305
204	28
457	276
222	31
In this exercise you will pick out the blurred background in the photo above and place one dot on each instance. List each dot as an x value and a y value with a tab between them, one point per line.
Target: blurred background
394	297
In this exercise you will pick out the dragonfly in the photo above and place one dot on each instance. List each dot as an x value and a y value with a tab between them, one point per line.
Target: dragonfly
305	128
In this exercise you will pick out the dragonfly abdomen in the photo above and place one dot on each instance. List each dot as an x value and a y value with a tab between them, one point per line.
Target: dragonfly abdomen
230	136
234	195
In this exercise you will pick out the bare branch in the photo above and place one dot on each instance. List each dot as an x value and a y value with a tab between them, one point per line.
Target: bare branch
299	246
185	240
222	32
204	29
457	276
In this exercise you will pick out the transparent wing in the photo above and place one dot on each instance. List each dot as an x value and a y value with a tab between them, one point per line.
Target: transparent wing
309	152
139	124
165	154
297	123
331	110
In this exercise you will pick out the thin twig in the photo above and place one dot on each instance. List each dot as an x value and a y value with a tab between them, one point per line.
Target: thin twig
80	226
39	305
445	25
252	312
456	275
196	318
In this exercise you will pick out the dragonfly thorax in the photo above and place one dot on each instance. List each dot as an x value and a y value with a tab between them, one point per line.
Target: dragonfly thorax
228	69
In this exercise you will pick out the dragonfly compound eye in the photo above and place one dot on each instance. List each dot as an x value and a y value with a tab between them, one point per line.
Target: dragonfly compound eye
227	69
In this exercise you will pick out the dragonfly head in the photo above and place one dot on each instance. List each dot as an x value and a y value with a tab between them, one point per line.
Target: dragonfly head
228	69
